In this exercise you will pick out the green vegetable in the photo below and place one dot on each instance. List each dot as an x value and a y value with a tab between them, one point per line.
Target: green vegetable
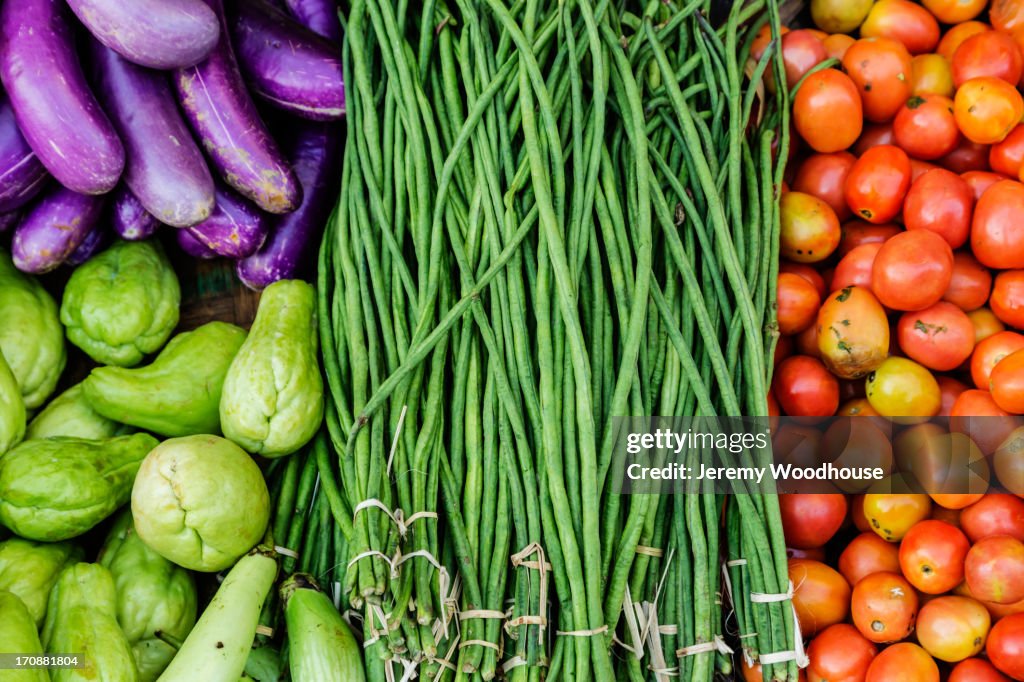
273	394
58	488
153	596
217	648
12	409
122	304
321	645
179	393
201	502
70	414
31	337
18	635
29	569
81	618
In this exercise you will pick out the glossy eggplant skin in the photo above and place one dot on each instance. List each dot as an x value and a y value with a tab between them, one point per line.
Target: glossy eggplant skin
22	174
53	228
320	16
53	105
235	230
294	237
287	64
165	169
223	116
193	246
159	34
128	218
94	240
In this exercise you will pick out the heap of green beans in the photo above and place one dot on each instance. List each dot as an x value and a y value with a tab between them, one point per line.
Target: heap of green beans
551	214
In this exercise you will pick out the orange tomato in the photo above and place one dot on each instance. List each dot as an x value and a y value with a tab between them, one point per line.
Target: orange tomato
932	75
866	554
955	11
996	238
905	21
882	71
821	595
827	111
912	270
1007	301
808	273
987	109
854	269
925	127
884	606
1008	463
891	515
958	34
1006	15
932	556
994	514
976	415
837	44
994	569
976	670
989	53
852	332
877	184
903	662
953	628
989	352
1007	381
839	654
857	407
969	287
1007	156
824	176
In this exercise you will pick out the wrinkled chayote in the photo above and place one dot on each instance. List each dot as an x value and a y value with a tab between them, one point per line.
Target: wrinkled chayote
58	488
81	617
29	569
153	595
201	502
70	414
31	336
122	304
18	634
179	393
273	400
12	409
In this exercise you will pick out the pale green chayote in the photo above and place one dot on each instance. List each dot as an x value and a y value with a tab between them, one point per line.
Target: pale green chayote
29	569
122	304
12	409
70	414
18	634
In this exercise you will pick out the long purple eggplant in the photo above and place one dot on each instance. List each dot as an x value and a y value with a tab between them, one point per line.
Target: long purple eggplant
193	246
90	246
129	219
294	237
53	228
160	34
224	117
287	64
53	105
22	174
235	230
321	16
165	170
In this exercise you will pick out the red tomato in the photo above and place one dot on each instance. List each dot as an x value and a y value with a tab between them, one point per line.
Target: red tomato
905	21
816	554
953	628
1007	156
968	156
804	388
955	11
824	176
940	337
919	168
801	51
932	556
821	595
857	232
970	284
874	135
903	662
990	53
877	184
925	127
1007	15
950	389
884	607
976	670
1007	301
839	654
810	274
932	75
989	352
837	44
810	520
940	201
912	270
957	35
891	515
1005	646
881	69
810	230
1007	380
827	111
987	109
798	302
975	414
807	342
979	181
994	569
996	238
866	554
855	267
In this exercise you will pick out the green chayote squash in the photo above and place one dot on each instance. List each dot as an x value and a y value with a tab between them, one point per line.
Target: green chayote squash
70	414
81	618
201	502
12	409
153	595
122	304
178	394
18	634
29	569
273	400
31	336
58	488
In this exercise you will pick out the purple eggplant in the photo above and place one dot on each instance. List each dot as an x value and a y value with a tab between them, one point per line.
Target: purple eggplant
90	246
130	220
235	230
160	34
54	226
321	16
313	151
287	64
193	246
9	220
165	170
21	172
224	117
53	105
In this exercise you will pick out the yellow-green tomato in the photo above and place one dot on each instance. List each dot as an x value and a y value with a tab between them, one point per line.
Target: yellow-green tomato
903	388
810	228
839	16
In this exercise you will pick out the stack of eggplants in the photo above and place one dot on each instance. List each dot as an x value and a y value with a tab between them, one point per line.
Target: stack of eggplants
119	117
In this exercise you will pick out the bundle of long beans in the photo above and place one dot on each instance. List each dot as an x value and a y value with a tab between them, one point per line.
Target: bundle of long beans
552	214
